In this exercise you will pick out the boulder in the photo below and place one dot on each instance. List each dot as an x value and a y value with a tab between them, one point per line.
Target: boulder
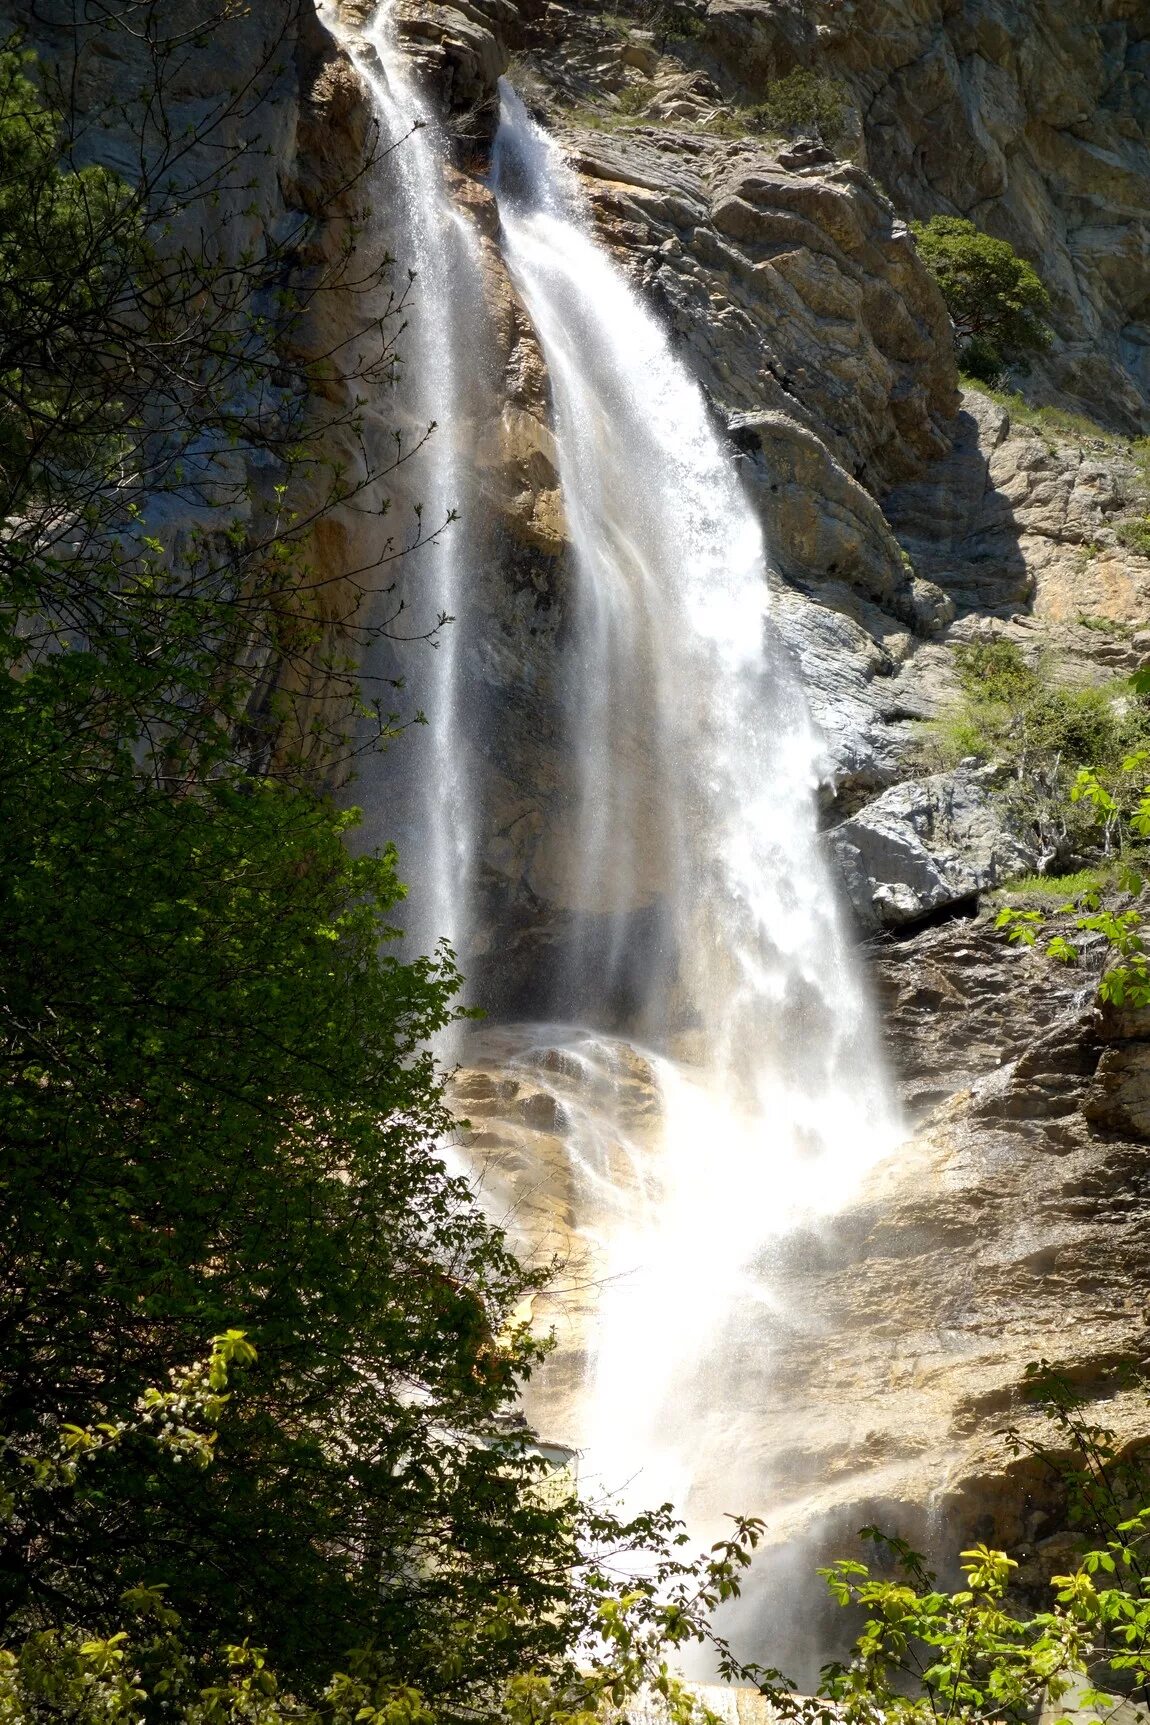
924	846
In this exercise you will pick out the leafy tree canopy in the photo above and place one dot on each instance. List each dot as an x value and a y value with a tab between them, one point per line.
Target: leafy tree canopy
996	300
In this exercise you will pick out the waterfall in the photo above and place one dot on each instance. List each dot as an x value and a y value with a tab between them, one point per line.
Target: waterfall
708	1078
705	922
426	806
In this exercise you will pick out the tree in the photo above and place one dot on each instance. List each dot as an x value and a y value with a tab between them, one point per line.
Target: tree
220	1118
996	301
152	1667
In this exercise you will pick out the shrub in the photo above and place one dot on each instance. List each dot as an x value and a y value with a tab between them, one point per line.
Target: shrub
925	1654
994	670
996	301
1134	533
803	101
1042	734
667	20
634	99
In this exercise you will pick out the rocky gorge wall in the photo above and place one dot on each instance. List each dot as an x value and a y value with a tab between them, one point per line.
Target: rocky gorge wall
905	514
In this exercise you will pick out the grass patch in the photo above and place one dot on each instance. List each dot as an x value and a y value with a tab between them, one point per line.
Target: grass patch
735	123
1051	890
603	119
802	102
1052	423
1108	626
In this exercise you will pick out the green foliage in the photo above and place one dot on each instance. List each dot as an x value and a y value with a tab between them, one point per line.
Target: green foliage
996	301
1122	812
1055	889
971	1655
634	99
155	1662
669	21
1040	733
58	346
683	24
802	102
994	670
1134	533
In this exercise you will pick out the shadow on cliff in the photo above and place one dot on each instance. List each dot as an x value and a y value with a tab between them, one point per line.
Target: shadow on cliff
959	530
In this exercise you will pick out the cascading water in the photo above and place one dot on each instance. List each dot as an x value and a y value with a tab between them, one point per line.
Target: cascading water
709	1081
431	406
705	918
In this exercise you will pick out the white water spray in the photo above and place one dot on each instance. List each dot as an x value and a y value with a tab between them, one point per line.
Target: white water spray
432	407
707	918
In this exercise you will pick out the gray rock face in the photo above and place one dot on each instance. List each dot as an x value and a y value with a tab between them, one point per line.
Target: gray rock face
1011	1228
1017	516
924	846
797	292
1035	124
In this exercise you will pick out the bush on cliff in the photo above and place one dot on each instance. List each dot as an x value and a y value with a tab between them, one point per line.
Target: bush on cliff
802	101
984	1652
1041	732
997	302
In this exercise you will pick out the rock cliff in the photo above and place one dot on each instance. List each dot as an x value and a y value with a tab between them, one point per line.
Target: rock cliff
906	514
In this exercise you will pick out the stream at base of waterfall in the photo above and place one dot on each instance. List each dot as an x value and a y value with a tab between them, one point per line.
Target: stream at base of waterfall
707	1080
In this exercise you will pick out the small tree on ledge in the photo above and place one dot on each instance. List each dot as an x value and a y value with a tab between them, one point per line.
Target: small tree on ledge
996	300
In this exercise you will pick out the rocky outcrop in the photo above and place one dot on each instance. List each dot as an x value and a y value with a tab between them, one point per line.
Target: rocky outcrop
1036	128
925	846
1021	515
1010	1231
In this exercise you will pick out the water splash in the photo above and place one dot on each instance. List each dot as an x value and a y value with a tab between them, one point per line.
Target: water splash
707	919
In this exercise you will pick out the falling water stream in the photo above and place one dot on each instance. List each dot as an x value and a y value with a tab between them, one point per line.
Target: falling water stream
709	1069
697	767
431	406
